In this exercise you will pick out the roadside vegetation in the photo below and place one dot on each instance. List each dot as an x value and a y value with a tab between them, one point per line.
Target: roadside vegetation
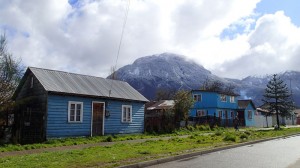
190	139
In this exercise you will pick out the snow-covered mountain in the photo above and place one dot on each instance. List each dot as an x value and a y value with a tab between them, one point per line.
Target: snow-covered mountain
171	71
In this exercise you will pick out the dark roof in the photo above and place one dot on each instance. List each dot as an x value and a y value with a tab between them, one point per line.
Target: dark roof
219	92
162	104
243	104
71	83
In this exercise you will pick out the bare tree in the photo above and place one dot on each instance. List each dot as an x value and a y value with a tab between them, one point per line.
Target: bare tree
10	75
113	73
217	86
212	85
164	94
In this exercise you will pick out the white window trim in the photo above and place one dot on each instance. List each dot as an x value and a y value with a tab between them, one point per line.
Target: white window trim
220	116
250	111
201	113
199	97
130	107
222	99
81	111
232	99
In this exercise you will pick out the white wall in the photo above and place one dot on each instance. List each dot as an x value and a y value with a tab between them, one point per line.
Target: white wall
260	121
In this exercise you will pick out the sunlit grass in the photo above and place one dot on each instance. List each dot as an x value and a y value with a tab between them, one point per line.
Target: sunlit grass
126	153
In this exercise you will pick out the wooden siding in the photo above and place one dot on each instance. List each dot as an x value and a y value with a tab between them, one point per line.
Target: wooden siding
58	126
30	111
211	103
213	100
250	122
57	123
113	124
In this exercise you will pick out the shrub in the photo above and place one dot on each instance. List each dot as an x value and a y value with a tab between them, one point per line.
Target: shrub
218	133
203	127
190	128
109	139
247	132
230	137
244	136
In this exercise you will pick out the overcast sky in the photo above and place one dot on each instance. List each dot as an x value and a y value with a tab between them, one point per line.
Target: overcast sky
231	38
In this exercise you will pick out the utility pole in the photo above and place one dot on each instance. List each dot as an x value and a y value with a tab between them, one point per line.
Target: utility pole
292	101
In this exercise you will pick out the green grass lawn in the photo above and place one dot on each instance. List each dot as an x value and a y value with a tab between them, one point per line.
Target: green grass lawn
126	153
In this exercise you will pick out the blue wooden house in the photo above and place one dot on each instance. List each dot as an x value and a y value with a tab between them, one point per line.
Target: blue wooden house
219	107
51	104
246	112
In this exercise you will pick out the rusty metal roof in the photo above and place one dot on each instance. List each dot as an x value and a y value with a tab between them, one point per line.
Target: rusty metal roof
162	104
71	83
243	104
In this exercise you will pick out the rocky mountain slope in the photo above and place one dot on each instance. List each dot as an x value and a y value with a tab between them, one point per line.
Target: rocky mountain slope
169	71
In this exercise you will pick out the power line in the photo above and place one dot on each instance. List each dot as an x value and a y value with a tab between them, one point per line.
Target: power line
120	44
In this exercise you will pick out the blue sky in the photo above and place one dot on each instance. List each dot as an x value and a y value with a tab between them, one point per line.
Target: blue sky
232	39
290	8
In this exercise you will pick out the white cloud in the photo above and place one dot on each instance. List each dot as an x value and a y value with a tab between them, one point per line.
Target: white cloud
84	39
273	48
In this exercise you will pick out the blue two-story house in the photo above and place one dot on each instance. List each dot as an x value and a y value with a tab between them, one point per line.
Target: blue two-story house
220	107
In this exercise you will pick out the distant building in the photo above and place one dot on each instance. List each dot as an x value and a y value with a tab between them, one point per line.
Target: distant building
159	116
272	120
221	108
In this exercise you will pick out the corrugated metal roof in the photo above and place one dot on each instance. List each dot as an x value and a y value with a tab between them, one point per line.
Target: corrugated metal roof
243	104
162	104
64	82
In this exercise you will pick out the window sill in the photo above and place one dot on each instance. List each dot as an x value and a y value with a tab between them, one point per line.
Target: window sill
74	122
126	122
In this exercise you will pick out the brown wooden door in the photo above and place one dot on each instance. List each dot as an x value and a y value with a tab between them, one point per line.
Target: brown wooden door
97	125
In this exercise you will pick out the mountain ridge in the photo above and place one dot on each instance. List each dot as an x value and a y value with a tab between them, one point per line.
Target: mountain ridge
173	72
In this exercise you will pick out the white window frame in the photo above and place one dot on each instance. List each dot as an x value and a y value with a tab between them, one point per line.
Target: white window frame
220	114
223	98
250	114
126	115
197	97
232	114
231	99
75	112
200	113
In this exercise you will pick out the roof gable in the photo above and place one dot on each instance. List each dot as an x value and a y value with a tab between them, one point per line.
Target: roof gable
71	83
243	104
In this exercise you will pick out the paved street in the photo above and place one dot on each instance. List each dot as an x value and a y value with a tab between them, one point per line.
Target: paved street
279	153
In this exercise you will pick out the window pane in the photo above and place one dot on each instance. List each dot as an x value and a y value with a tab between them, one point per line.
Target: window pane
128	115
72	118
72	112
124	115
72	106
78	106
77	118
78	113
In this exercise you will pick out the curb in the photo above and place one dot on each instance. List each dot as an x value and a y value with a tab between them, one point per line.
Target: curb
188	155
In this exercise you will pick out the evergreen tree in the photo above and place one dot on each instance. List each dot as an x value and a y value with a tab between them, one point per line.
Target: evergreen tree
278	98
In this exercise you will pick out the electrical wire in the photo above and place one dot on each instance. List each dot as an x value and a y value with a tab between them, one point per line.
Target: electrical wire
120	44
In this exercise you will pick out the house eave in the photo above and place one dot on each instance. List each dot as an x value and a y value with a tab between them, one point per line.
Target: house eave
94	96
